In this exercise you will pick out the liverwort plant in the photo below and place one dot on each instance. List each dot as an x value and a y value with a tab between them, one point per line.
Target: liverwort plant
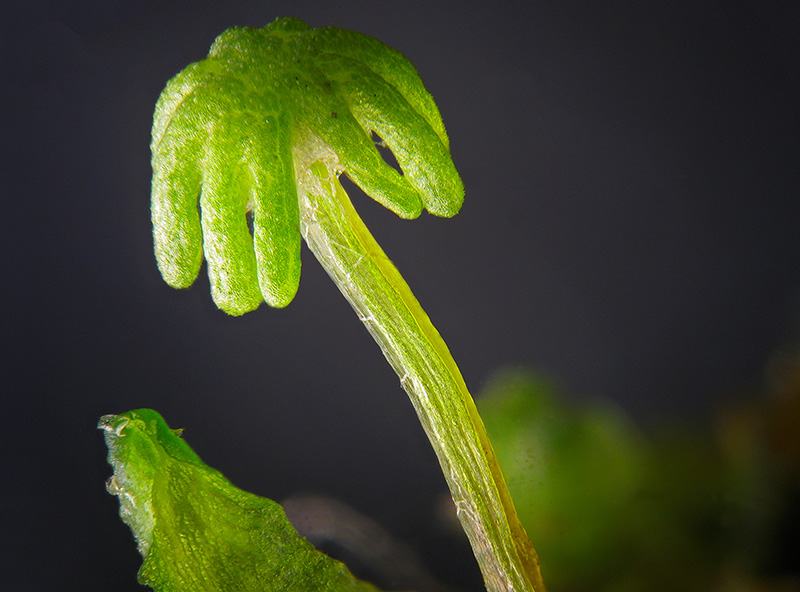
259	133
198	532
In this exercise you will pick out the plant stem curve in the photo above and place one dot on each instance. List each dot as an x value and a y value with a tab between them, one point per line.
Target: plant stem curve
385	304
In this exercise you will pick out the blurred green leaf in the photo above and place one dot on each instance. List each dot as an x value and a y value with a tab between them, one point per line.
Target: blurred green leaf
611	509
573	472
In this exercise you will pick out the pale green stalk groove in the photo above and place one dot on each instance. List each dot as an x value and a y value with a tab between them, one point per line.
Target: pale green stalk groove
385	304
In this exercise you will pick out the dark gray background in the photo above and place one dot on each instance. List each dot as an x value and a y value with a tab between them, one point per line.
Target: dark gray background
630	227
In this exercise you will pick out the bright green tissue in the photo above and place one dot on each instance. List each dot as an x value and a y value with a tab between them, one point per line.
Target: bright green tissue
227	131
197	531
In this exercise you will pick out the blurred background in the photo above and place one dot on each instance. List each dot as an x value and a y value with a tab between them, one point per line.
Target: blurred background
630	232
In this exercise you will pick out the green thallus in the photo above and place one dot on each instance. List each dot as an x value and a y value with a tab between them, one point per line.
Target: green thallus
263	128
196	531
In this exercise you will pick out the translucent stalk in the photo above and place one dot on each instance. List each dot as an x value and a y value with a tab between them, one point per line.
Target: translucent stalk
385	304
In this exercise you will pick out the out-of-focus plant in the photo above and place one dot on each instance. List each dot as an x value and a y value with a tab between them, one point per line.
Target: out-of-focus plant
616	508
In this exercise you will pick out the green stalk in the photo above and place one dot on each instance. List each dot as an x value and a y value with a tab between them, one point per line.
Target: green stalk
385	304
